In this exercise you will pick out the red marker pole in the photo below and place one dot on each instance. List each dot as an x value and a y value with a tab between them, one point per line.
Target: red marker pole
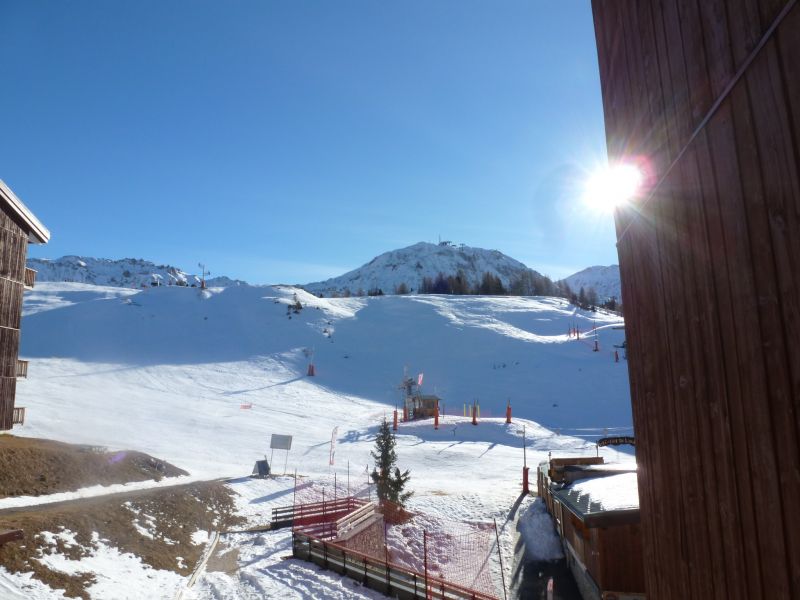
394	426
436	418
474	415
508	413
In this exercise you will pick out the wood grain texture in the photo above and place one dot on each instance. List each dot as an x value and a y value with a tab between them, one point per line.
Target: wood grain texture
710	268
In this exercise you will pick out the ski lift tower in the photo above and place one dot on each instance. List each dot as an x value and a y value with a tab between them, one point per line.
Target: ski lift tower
203	274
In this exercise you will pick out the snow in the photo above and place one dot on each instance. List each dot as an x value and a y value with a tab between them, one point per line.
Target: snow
536	529
92	491
119	575
410	265
615	492
604	280
166	371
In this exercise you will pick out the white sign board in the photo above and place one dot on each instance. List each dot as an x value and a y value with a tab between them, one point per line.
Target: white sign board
281	442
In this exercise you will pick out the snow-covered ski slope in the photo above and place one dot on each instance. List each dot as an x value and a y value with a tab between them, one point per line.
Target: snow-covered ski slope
168	370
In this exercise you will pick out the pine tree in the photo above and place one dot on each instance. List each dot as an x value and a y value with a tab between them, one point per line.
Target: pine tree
388	479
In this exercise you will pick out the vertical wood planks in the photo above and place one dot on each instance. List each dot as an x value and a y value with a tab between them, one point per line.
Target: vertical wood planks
710	269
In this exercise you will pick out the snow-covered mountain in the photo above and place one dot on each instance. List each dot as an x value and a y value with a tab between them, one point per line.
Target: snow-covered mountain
604	280
410	265
126	272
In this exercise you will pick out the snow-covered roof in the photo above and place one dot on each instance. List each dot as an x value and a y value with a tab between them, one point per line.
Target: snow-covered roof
601	501
37	232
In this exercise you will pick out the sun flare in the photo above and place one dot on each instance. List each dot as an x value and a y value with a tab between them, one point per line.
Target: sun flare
611	187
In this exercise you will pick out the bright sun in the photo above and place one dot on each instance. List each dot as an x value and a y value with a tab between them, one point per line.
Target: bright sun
610	187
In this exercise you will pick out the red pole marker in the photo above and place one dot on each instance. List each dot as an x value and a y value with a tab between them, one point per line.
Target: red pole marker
474	415
508	413
525	485
394	426
436	418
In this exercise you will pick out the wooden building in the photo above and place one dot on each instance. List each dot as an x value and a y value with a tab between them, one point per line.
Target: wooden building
417	405
595	507
705	97
18	228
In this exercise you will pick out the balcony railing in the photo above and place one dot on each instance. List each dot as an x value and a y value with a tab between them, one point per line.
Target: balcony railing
19	415
30	278
22	369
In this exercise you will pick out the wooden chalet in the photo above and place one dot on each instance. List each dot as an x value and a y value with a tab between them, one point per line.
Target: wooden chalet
595	507
18	228
705	97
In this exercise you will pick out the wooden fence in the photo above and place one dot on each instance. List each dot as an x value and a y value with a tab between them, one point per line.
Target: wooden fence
320	515
379	575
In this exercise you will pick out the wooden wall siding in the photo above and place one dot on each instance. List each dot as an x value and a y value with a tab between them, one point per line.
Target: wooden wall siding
9	348
10	303
710	269
8	387
14	246
619	554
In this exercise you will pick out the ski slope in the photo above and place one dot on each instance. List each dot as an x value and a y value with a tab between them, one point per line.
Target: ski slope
168	371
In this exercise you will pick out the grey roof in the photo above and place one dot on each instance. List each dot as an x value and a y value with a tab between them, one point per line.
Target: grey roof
37	232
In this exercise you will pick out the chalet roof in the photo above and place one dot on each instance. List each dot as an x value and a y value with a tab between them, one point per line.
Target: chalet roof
37	232
602	501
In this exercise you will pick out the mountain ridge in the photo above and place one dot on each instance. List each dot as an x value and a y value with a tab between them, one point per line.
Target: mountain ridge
123	272
412	264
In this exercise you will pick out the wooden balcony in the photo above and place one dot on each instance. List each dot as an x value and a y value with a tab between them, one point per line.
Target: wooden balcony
30	278
22	369
19	415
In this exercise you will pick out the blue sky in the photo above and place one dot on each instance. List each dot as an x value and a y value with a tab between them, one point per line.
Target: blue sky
292	141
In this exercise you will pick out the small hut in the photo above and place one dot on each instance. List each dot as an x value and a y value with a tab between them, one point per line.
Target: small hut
416	404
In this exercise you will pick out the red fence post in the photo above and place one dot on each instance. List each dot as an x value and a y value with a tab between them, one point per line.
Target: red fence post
525	488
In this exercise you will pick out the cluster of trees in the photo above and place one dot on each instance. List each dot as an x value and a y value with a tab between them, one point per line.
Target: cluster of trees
527	283
458	285
587	299
346	293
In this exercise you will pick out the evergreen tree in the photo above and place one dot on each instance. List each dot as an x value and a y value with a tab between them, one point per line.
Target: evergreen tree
591	297
389	481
